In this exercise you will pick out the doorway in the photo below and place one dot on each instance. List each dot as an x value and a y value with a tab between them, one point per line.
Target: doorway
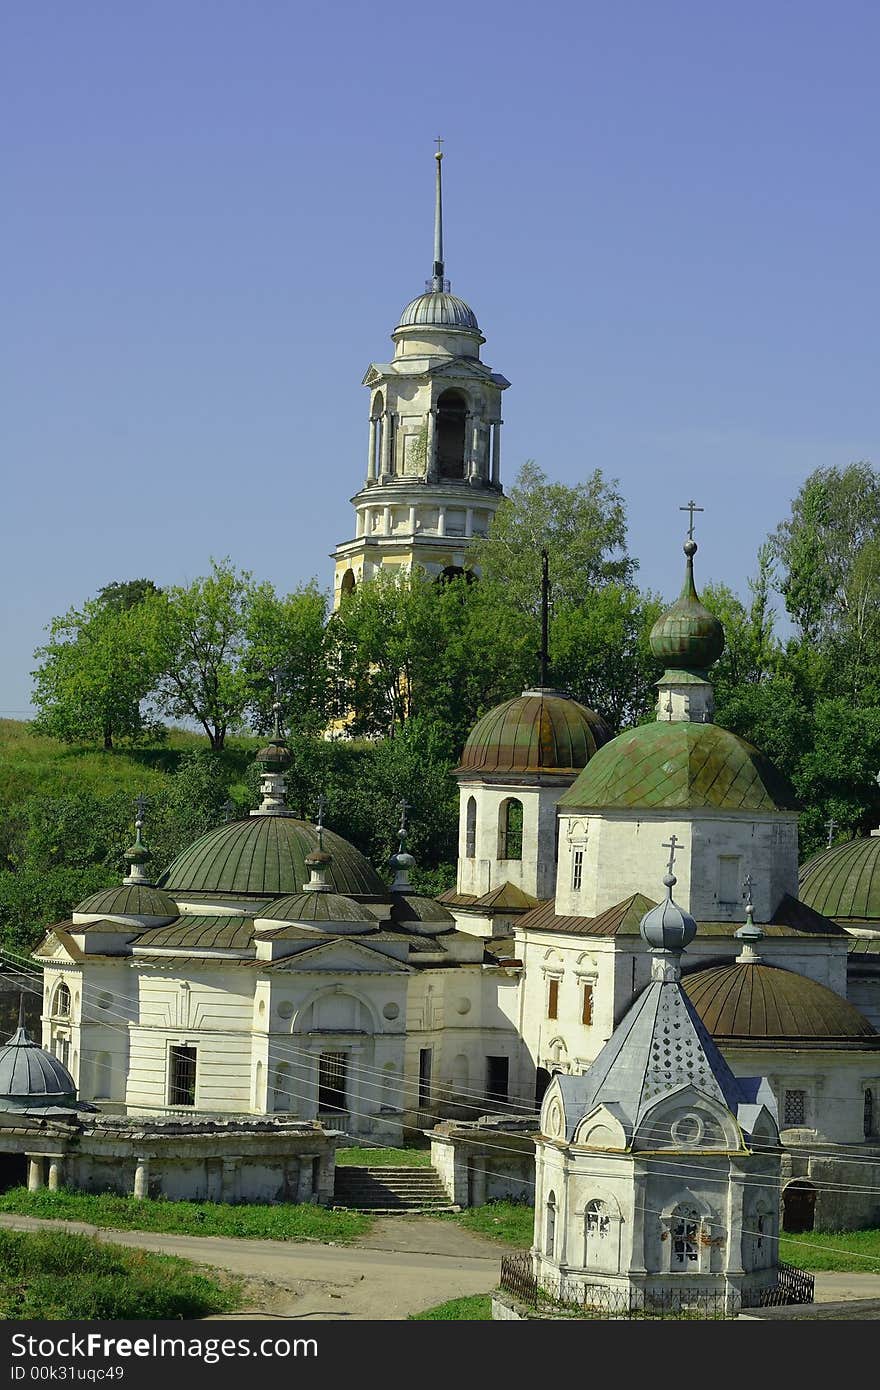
798	1206
332	1082
13	1171
497	1079
424	1077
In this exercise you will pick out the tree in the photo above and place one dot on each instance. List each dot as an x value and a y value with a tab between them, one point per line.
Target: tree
583	529
600	653
202	635
98	670
288	636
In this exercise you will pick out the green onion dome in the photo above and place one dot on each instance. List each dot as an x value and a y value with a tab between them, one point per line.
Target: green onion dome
676	764
540	731
265	856
843	882
687	636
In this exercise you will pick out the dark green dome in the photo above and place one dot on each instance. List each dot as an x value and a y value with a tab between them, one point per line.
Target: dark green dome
843	882
687	636
317	907
538	731
265	856
129	900
677	764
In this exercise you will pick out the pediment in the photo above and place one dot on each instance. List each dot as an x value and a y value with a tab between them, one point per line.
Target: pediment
461	369
54	947
375	374
604	1127
687	1118
341	957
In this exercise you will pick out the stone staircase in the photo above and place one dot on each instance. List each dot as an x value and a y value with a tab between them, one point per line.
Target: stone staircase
389	1189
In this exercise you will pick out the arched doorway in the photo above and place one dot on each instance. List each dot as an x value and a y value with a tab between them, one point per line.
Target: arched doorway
798	1206
451	425
348	584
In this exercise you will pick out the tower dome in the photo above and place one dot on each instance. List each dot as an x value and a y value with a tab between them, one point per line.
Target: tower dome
539	731
687	637
438	309
843	882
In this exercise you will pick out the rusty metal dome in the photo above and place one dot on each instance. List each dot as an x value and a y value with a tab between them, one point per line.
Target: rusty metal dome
540	731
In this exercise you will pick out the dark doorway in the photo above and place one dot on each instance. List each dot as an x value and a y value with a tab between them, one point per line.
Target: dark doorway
13	1171
497	1078
332	1080
451	421
542	1081
424	1077
798	1206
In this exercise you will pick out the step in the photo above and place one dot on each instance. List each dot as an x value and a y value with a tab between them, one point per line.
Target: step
384	1188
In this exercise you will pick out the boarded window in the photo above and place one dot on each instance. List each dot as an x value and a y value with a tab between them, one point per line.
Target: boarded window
795	1109
553	999
470	838
587	1008
729	886
182	1076
869	1114
577	870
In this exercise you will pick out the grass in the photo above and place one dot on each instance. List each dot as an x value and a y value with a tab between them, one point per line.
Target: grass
857	1252
476	1307
31	764
510	1222
284	1221
365	1157
55	1275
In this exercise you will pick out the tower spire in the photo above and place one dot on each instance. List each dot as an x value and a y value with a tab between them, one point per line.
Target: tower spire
438	282
545	616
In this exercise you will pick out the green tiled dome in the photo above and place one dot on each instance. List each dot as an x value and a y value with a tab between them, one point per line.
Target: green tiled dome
754	1002
538	731
129	900
687	636
265	856
844	882
676	764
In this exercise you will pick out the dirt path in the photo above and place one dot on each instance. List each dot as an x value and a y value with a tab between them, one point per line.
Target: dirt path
404	1265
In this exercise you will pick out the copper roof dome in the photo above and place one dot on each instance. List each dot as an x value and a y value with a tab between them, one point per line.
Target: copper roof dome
538	731
762	1004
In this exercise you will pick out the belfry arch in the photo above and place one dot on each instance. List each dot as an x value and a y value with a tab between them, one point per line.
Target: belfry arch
451	434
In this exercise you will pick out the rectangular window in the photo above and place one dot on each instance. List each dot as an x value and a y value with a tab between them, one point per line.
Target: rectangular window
497	1077
553	999
729	884
587	1010
332	1082
424	1078
181	1076
795	1108
577	870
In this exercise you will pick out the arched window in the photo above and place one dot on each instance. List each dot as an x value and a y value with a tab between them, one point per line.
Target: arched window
455	572
869	1114
550	1227
510	829
61	1002
451	426
282	1099
597	1228
470	828
348	584
685	1238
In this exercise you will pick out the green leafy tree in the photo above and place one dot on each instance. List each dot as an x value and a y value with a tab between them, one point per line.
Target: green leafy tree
600	653
288	636
98	670
583	529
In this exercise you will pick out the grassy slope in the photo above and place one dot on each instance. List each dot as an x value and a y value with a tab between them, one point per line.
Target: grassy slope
31	764
855	1251
476	1307
366	1157
57	1275
250	1221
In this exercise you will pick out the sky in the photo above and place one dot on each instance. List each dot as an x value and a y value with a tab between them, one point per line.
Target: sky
665	217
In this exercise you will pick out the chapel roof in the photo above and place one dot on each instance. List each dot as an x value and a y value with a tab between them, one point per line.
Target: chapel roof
791	918
129	900
676	764
755	1003
30	1077
539	731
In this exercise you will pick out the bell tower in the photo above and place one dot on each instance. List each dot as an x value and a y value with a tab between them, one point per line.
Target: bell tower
433	474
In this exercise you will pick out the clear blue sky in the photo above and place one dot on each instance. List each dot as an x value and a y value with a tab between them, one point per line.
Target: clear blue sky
664	215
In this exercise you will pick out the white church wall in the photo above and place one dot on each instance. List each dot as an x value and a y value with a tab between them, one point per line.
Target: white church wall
622	853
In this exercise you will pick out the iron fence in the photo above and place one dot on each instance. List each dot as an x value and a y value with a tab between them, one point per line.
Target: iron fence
573	1299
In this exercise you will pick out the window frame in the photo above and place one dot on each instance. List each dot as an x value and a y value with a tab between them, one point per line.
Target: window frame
175	1056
